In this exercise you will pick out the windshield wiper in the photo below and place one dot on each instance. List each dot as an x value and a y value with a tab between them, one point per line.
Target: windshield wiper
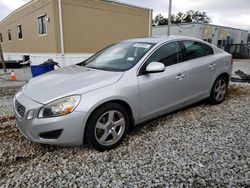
83	63
99	68
92	67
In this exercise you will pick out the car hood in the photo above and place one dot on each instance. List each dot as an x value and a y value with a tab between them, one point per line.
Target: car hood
68	81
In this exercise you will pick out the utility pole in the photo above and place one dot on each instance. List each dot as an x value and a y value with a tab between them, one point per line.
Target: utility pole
169	16
2	60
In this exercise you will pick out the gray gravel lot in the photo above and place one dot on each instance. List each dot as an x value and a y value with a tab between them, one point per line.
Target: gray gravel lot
9	88
242	64
199	146
22	75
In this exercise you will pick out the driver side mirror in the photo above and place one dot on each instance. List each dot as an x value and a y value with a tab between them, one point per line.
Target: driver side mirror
155	67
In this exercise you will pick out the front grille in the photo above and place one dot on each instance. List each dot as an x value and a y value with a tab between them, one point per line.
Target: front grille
20	109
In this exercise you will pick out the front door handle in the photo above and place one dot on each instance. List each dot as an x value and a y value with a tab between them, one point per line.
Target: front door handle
180	76
212	66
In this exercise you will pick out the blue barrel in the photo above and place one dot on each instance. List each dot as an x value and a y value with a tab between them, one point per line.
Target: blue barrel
37	70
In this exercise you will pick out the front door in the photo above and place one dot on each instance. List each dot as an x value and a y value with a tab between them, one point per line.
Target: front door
165	91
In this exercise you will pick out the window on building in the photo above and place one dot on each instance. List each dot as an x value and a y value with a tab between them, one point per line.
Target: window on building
19	31
42	25
1	37
209	40
9	35
219	43
224	43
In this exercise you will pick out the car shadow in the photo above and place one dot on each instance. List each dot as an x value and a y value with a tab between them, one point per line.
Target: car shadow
137	128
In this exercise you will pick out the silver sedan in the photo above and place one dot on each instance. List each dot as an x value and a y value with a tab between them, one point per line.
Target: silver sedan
121	86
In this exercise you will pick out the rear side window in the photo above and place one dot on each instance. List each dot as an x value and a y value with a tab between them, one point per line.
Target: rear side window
169	54
196	49
207	50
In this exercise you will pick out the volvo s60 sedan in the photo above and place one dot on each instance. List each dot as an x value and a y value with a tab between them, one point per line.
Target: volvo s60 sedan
125	84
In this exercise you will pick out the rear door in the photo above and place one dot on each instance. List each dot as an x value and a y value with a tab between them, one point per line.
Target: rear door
202	68
163	92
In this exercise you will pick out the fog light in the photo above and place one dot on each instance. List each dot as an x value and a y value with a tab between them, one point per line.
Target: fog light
30	114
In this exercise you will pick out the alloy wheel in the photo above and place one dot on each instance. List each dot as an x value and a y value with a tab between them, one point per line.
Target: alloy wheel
109	128
220	90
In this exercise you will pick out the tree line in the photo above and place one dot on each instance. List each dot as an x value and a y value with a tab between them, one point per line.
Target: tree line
188	17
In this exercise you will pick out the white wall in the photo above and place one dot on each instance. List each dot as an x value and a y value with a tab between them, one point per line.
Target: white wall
36	59
190	30
196	31
66	60
12	56
215	35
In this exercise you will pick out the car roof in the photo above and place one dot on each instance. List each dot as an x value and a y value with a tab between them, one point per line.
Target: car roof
160	39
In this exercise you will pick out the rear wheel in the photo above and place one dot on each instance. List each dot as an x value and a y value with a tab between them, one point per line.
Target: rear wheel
219	90
107	126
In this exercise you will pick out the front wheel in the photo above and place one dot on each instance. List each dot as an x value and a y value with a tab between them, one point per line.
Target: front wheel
219	90
107	126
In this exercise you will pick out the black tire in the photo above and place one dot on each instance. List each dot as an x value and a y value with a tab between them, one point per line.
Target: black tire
219	90
101	117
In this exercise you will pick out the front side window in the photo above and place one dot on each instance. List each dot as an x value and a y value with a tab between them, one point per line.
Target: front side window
169	54
9	35
1	37
119	57
42	25
19	31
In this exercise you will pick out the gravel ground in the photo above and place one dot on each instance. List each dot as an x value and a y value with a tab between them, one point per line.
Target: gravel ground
9	88
242	64
199	146
22	75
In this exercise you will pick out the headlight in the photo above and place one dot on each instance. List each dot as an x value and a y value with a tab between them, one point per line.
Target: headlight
59	107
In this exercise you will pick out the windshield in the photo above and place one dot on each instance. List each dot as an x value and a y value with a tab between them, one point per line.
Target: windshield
119	57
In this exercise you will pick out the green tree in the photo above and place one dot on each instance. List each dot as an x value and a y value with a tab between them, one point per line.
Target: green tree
161	20
164	21
188	17
158	19
179	18
200	17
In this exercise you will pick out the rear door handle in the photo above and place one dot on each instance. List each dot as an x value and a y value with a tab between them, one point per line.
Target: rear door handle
212	66
180	76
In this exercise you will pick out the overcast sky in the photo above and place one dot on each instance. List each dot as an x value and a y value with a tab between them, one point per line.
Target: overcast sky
232	13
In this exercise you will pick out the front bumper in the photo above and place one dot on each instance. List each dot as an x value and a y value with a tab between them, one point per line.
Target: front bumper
71	126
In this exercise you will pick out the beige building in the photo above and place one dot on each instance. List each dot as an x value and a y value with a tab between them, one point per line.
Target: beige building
68	31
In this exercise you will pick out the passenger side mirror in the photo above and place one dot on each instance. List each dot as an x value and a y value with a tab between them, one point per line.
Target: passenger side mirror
155	67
